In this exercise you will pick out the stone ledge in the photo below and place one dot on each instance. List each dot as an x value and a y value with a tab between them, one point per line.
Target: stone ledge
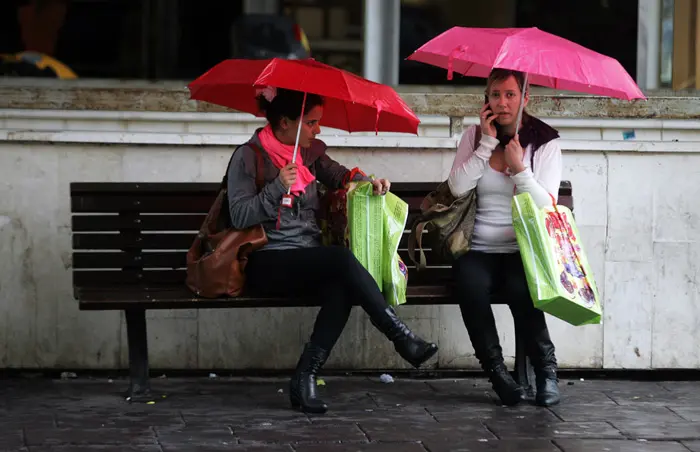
175	98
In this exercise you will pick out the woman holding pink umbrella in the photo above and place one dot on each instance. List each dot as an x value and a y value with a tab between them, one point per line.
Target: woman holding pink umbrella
515	153
504	161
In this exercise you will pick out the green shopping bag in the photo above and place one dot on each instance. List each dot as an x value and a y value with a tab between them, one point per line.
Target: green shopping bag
374	228
558	274
395	273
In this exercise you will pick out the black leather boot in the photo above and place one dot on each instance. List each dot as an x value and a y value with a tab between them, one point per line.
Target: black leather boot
302	387
411	348
547	387
507	389
487	348
544	361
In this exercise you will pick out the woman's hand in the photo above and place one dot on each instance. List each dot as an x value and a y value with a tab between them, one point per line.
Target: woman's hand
514	156
487	117
288	175
381	186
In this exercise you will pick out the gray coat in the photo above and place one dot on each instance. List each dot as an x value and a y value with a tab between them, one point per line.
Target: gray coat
298	226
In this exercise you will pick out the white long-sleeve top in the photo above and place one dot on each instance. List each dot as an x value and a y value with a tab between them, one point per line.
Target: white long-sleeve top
493	229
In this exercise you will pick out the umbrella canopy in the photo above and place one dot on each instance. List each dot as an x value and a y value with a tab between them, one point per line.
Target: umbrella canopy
351	103
548	60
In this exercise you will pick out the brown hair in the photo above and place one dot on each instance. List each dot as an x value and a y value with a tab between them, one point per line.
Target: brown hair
287	104
498	75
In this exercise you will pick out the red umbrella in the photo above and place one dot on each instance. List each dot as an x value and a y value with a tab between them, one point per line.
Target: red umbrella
351	102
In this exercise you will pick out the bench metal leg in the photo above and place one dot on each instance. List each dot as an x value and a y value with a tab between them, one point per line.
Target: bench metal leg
140	385
524	372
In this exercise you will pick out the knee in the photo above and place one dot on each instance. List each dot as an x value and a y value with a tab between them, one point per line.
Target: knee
519	298
470	288
343	255
523	308
341	260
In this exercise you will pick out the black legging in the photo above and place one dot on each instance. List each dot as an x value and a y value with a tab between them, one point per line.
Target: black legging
331	273
477	276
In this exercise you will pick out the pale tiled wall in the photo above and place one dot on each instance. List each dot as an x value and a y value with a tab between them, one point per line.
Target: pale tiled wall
638	214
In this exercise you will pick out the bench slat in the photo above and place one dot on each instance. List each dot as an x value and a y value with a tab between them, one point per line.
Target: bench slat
179	188
153	223
176	241
128	277
136	188
119	260
173	259
159	222
163	222
133	277
163	203
181	298
150	241
175	202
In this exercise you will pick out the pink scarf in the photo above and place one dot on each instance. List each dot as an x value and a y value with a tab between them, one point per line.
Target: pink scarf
281	155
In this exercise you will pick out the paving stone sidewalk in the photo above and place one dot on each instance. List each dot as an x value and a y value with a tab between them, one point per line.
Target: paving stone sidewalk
248	414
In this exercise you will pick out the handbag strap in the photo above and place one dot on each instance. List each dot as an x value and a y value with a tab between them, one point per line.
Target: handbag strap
259	168
217	207
416	235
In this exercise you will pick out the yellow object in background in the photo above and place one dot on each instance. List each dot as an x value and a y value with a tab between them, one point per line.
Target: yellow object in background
42	62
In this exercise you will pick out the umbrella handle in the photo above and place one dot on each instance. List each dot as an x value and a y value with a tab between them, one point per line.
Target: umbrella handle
522	106
296	144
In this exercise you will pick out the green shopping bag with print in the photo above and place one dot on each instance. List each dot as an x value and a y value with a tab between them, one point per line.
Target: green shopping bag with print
558	275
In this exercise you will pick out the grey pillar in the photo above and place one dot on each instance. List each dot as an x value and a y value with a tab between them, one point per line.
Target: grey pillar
649	44
381	41
260	6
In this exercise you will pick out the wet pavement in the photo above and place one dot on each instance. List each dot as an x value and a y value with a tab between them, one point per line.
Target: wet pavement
253	414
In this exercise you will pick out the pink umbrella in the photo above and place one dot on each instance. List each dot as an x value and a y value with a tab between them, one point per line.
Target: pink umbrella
546	59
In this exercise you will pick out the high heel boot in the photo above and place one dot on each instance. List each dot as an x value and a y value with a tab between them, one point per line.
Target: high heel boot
409	346
487	347
302	387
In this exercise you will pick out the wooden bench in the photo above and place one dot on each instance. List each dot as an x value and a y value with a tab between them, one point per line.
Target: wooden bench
129	245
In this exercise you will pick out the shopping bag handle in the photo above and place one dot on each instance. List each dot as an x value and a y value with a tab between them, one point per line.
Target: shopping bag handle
350	175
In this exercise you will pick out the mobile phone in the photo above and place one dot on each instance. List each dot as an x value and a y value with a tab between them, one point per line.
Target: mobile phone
495	123
486	102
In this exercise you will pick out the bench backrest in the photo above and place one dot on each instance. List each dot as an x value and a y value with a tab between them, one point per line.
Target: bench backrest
137	234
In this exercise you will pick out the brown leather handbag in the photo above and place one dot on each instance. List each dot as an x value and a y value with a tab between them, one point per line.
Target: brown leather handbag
217	258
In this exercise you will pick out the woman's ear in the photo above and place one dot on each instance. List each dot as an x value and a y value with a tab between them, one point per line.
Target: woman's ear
284	123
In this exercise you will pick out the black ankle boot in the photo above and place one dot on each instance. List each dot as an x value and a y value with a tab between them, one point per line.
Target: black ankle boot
302	387
547	387
542	355
510	392
411	348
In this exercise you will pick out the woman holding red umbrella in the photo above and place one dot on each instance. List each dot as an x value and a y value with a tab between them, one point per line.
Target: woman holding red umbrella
294	260
502	162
